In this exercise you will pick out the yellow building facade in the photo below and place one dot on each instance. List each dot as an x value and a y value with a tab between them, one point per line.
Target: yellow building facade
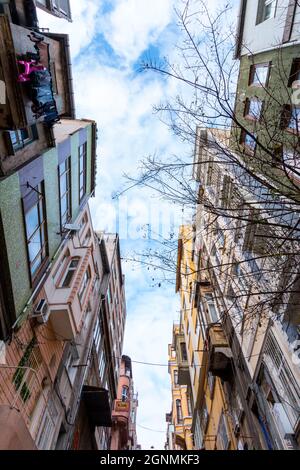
212	423
180	417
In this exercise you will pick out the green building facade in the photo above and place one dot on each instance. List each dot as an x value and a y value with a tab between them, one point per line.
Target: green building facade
36	204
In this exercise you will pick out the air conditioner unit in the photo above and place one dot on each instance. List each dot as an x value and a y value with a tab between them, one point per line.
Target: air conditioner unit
72	228
41	312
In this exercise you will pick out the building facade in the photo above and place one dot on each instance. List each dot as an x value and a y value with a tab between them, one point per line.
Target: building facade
250	334
123	433
46	255
180	418
267	109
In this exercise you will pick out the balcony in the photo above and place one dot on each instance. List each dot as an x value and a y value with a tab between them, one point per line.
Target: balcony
24	393
30	96
66	307
220	354
182	360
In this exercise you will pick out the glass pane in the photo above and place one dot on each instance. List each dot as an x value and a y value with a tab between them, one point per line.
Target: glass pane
63	184
249	140
81	164
261	74
36	265
213	313
68	278
74	263
32	221
14	137
34	246
255	108
64	204
24	134
295	120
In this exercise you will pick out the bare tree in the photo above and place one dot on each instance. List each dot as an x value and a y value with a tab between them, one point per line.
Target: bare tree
265	206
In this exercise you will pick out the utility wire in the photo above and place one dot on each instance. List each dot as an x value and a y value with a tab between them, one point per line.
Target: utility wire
149	429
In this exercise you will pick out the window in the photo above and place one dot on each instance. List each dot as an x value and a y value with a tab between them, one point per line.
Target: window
64	174
71	361
248	141
125	393
295	72
294	120
84	284
35	228
266	10
22	137
87	238
259	74
198	327
59	269
189	403
183	352
179	412
212	310
62	6
223	433
211	383
71	269
82	171
204	417
253	109
175	377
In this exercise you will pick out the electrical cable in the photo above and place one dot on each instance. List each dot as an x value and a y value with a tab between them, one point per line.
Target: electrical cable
149	429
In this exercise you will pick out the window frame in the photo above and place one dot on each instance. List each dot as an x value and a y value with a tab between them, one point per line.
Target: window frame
179	414
247	114
67	172
252	73
262	10
248	149
223	424
295	70
125	393
85	282
82	157
20	141
66	271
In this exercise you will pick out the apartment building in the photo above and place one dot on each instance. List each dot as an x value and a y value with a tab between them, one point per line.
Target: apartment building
123	433
180	418
47	246
242	291
267	110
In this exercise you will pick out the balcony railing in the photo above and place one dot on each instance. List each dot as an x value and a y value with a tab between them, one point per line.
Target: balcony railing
24	380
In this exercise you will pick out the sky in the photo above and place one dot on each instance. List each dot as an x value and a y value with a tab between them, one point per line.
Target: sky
109	40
